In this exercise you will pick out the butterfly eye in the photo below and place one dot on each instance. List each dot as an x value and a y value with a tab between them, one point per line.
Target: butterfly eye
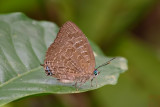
96	72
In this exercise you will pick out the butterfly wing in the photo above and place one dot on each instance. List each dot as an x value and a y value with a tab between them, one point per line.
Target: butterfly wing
70	56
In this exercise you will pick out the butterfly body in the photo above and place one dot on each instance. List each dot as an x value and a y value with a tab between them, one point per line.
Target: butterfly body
70	57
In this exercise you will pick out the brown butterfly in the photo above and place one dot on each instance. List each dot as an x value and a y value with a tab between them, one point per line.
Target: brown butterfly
70	57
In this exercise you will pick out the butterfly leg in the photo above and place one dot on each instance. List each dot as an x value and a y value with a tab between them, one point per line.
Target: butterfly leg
81	84
96	82
91	82
76	86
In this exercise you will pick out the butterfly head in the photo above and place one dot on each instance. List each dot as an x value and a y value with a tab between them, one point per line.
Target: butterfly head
96	72
48	71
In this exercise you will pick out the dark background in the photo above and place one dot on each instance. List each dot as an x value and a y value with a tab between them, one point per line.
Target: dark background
128	28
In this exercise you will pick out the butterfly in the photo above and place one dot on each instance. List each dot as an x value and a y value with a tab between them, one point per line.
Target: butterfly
70	58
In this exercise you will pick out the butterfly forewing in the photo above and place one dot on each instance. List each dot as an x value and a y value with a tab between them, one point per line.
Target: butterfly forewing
70	57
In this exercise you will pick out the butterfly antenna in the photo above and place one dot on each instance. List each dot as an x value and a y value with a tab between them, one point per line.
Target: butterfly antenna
108	62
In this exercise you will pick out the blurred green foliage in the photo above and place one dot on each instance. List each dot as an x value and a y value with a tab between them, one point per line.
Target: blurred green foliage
126	28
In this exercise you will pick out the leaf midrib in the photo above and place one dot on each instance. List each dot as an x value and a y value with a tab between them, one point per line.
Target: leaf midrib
19	76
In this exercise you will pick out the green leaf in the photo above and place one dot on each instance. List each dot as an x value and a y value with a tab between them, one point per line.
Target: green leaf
23	43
